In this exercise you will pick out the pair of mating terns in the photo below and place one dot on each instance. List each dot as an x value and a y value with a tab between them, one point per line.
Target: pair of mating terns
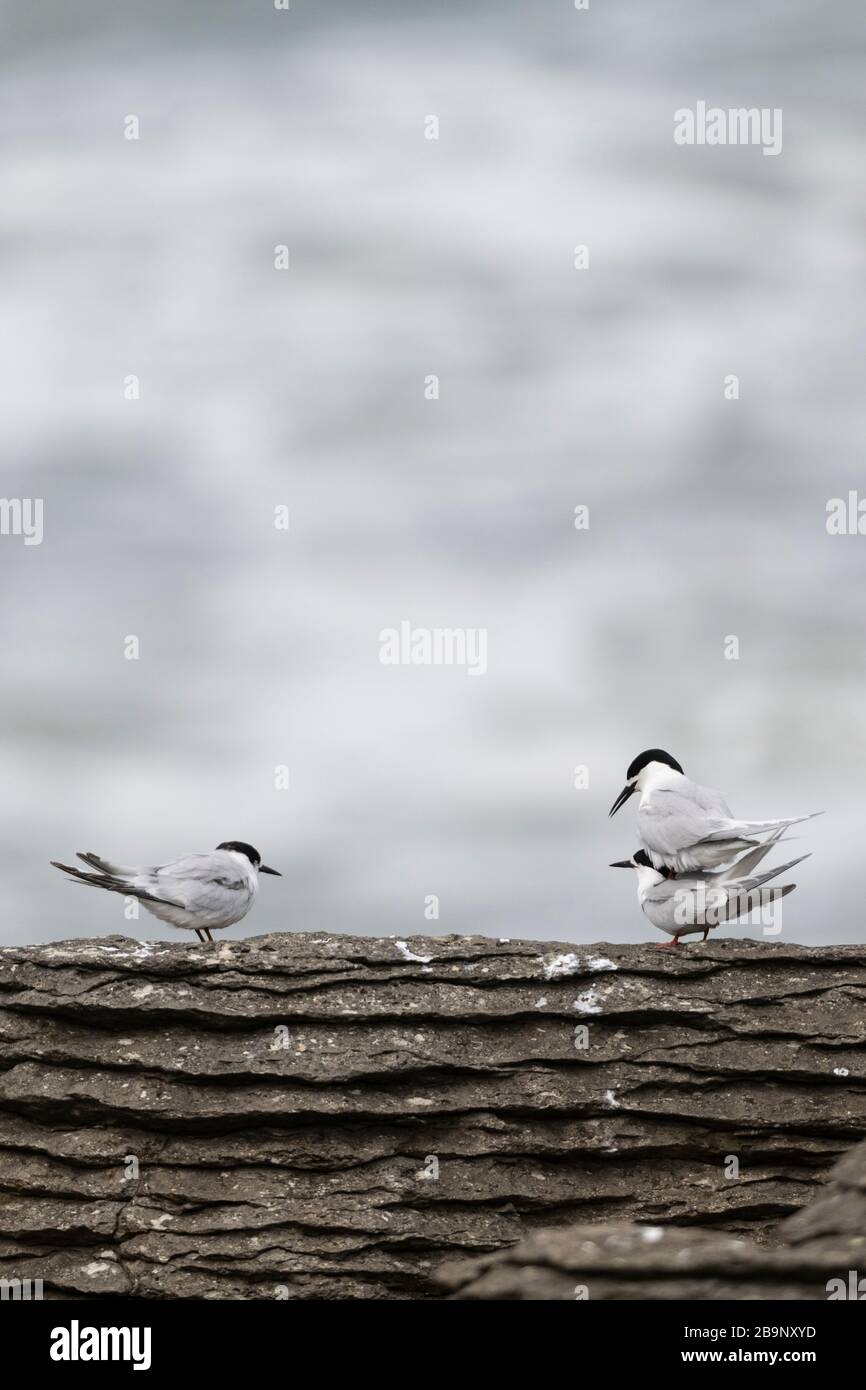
687	834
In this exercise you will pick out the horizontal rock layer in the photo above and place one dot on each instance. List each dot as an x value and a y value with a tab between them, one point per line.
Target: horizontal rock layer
326	1116
820	1253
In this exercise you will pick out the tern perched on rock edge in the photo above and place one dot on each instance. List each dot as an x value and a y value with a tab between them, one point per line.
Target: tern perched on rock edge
200	892
683	826
684	905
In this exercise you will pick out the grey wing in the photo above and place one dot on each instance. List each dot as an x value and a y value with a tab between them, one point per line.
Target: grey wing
738	897
711	801
664	904
747	885
115	870
747	863
744	903
679	904
195	876
672	821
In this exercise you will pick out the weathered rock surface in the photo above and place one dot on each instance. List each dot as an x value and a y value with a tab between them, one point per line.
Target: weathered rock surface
820	1254
329	1116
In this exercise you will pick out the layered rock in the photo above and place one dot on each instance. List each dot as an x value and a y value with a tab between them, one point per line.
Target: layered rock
325	1116
820	1253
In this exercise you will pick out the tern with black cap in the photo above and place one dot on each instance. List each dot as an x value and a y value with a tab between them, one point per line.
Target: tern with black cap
686	827
690	903
199	892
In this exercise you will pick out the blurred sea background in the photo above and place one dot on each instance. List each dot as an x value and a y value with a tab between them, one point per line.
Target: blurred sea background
558	387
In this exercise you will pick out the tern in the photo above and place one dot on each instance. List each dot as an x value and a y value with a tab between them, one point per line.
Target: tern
200	892
683	826
698	902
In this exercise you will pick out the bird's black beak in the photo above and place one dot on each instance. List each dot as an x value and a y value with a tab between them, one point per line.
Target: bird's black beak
621	864
623	797
263	869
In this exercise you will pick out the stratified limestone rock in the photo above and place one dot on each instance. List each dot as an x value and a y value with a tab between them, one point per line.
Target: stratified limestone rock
821	1254
327	1116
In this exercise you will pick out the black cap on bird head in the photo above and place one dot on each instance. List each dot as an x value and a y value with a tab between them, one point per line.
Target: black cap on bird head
640	856
640	859
652	755
241	847
636	767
